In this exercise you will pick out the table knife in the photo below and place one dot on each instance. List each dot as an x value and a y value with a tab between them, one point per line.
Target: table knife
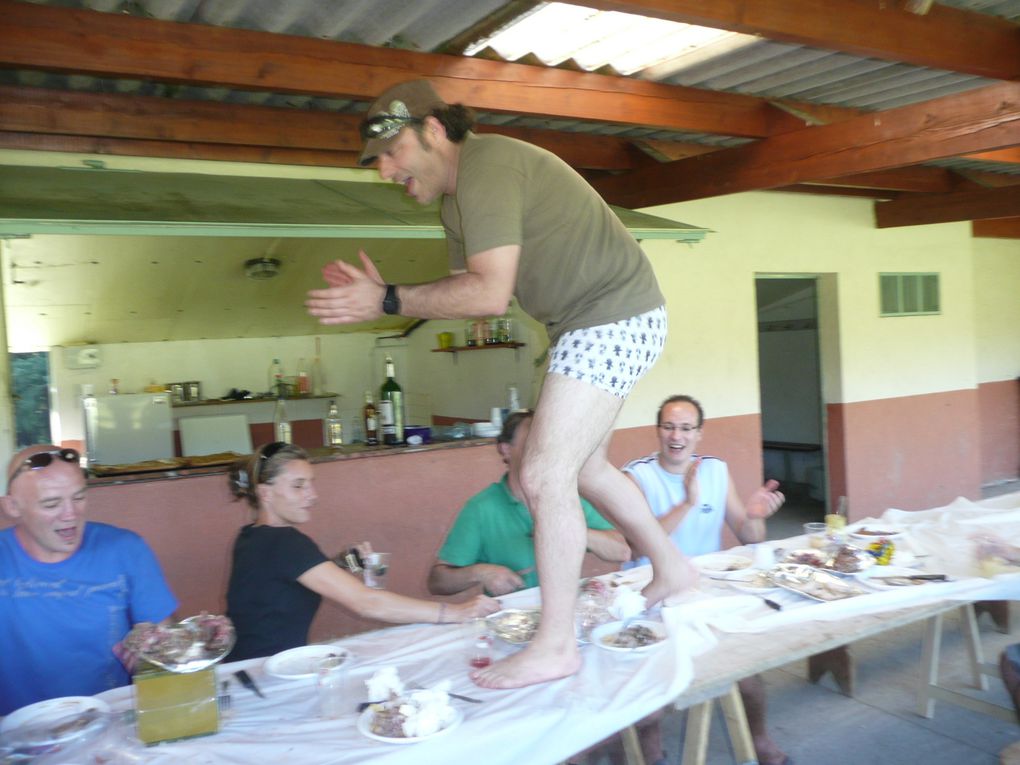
917	577
245	679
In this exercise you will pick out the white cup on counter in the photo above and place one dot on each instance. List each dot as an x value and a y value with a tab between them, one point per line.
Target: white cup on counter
496	417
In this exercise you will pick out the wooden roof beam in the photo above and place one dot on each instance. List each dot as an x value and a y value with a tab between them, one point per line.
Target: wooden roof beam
980	120
120	46
1001	228
945	208
234	132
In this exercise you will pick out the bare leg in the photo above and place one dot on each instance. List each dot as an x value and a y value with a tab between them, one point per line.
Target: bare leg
567	447
649	732
752	691
625	504
571	419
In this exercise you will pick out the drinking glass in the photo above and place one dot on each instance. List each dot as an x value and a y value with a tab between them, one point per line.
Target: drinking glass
377	566
332	686
479	644
815	532
589	612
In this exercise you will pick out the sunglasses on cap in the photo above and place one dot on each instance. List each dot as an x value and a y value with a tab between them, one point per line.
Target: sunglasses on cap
39	460
386	125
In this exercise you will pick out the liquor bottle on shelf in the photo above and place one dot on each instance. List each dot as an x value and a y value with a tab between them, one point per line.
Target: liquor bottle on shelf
281	423
391	408
371	416
318	376
304	386
276	378
332	427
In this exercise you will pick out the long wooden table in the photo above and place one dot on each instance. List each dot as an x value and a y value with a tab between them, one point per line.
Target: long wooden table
550	722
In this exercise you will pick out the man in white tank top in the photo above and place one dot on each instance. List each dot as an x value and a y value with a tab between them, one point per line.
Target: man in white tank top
692	496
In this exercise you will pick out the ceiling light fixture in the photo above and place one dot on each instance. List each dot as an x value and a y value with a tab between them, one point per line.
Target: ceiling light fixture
261	268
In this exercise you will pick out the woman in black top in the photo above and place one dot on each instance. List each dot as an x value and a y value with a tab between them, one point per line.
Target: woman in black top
279	576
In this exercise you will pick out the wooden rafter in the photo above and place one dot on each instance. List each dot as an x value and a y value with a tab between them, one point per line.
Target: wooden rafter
109	123
114	45
944	208
1001	228
982	120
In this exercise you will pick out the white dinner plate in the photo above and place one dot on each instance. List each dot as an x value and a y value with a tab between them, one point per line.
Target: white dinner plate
894	531
365	723
55	721
606	631
756	582
721	565
302	662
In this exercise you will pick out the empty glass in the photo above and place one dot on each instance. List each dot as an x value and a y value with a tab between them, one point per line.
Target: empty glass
332	686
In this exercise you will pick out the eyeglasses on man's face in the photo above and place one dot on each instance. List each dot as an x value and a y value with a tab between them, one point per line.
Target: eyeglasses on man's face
39	460
669	427
386	125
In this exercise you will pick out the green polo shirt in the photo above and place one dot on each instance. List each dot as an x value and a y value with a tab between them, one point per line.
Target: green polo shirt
494	527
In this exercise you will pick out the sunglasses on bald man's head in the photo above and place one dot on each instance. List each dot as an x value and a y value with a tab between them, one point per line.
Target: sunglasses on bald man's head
386	125
39	460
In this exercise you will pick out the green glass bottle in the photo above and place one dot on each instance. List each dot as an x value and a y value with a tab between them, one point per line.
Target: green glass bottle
391	408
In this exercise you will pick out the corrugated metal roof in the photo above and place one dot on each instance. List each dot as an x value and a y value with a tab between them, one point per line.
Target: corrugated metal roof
764	69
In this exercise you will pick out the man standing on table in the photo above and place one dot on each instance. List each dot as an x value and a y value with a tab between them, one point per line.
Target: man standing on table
692	497
70	590
519	221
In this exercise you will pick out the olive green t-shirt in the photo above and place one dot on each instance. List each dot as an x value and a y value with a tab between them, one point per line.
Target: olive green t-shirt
579	266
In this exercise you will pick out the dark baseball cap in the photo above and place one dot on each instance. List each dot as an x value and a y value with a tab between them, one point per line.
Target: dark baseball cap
407	103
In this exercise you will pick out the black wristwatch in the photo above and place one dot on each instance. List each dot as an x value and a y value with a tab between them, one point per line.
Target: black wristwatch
391	303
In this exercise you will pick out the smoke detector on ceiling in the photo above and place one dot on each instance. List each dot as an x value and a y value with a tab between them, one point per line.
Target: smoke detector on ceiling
261	268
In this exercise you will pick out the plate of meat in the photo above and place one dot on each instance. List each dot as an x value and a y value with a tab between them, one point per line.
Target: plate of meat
870	532
188	646
46	725
634	637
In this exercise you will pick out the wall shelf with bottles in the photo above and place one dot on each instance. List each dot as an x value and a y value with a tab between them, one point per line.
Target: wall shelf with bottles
485	347
455	349
262	400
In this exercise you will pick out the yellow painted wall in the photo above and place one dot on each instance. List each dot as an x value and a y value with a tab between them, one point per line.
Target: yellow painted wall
712	347
996	267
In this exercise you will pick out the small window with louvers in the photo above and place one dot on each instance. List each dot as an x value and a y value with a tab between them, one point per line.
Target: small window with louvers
909	294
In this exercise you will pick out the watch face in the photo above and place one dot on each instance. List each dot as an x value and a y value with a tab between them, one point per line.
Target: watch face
391	303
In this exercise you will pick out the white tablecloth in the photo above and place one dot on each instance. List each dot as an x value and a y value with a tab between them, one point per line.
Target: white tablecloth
545	723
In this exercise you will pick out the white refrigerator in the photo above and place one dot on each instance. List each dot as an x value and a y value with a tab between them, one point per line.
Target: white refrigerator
128	428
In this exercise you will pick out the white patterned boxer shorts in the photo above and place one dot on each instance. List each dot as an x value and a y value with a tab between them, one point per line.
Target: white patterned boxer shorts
612	357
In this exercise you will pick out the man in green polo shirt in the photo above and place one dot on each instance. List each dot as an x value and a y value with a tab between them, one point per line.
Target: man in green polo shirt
492	541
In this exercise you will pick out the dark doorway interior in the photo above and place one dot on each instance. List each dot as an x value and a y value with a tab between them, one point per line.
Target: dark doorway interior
793	445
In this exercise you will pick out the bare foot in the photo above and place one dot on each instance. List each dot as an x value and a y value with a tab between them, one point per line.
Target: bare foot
769	752
669	584
529	667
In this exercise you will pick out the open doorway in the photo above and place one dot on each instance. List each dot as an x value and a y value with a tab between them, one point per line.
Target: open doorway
792	420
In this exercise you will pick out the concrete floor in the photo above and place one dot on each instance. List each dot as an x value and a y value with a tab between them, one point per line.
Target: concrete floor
817	725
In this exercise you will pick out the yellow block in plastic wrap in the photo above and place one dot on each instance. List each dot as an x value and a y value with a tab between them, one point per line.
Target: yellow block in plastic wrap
173	705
